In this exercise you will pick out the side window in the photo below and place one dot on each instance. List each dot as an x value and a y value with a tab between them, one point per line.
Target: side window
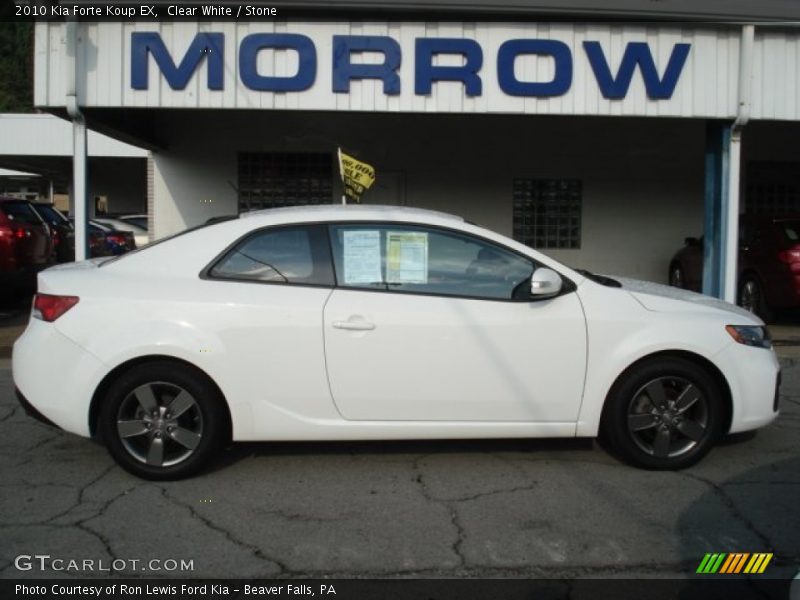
423	260
279	255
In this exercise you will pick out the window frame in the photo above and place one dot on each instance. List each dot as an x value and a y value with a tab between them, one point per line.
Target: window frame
567	287
325	244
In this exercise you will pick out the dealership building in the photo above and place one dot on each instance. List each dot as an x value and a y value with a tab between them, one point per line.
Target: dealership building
602	143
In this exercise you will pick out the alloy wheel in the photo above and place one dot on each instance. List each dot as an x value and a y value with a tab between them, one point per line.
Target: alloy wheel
160	424
668	416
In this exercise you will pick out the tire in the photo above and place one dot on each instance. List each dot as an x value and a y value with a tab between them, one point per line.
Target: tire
677	278
751	297
138	424
654	434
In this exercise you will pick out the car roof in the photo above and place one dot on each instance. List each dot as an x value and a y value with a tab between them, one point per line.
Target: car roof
344	212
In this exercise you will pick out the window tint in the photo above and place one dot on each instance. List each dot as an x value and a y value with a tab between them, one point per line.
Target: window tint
279	255
20	212
426	260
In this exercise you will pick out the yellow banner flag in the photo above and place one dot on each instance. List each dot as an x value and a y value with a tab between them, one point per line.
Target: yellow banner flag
357	176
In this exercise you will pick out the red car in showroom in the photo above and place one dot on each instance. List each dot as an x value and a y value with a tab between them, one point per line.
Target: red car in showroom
26	245
768	266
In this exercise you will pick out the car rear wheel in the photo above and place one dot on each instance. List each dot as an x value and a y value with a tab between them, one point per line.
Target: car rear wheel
751	297
676	276
664	413
162	420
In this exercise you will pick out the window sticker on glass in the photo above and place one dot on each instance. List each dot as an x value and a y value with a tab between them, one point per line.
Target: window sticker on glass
406	257
362	257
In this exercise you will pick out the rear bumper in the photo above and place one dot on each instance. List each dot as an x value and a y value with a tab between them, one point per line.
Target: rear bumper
42	360
31	411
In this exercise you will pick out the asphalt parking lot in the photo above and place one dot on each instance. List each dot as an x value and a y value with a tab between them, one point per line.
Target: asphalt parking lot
546	508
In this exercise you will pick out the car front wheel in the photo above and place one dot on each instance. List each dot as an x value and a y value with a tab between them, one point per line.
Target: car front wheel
664	413
162	421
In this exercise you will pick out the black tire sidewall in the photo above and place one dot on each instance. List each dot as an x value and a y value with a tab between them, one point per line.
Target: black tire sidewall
673	269
614	426
762	310
194	382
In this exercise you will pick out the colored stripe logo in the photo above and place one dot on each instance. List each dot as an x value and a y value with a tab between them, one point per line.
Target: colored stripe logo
734	562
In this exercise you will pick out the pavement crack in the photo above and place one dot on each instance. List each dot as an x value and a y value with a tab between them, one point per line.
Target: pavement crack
304	518
80	500
732	508
458	543
10	414
519	488
43	442
284	569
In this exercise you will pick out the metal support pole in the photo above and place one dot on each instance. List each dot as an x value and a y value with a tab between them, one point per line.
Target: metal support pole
717	160
79	160
730	219
80	207
732	180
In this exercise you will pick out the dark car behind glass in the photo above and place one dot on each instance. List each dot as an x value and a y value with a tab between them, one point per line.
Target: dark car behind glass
768	265
105	240
61	231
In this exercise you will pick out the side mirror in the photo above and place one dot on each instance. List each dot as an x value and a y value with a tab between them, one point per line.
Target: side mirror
545	283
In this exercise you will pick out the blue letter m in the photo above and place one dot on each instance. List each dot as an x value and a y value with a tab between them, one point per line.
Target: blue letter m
636	53
209	46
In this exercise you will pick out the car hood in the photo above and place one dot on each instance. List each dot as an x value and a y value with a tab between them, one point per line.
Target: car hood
663	298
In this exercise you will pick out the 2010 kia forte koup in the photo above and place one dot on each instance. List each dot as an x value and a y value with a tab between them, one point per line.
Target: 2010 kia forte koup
356	323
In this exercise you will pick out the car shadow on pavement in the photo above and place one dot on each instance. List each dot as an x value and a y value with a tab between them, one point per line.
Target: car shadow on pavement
745	513
577	449
555	448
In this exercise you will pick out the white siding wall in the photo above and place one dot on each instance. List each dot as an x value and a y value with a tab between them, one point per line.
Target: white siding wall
707	86
642	179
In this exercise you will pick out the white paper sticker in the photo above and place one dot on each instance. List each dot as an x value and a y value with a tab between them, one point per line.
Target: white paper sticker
362	257
406	257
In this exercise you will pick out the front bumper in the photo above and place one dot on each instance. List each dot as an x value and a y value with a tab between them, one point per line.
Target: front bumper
753	375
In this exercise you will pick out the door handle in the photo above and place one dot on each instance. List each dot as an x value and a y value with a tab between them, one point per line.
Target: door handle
354	325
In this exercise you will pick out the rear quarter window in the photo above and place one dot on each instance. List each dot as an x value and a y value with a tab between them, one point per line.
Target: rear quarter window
19	212
292	254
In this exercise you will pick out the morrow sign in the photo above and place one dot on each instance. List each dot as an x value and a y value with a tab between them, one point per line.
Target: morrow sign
613	81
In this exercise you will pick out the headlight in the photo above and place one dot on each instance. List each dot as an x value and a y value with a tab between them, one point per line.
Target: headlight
750	335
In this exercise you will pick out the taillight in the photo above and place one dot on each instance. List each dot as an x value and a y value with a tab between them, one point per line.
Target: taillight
19	233
49	308
789	256
117	238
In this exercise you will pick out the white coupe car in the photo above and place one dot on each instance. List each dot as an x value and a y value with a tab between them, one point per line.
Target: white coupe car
356	323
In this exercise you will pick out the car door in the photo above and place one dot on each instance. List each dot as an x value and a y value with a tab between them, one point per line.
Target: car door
429	324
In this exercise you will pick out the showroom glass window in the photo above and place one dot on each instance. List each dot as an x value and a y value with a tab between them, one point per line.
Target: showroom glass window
423	260
298	255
